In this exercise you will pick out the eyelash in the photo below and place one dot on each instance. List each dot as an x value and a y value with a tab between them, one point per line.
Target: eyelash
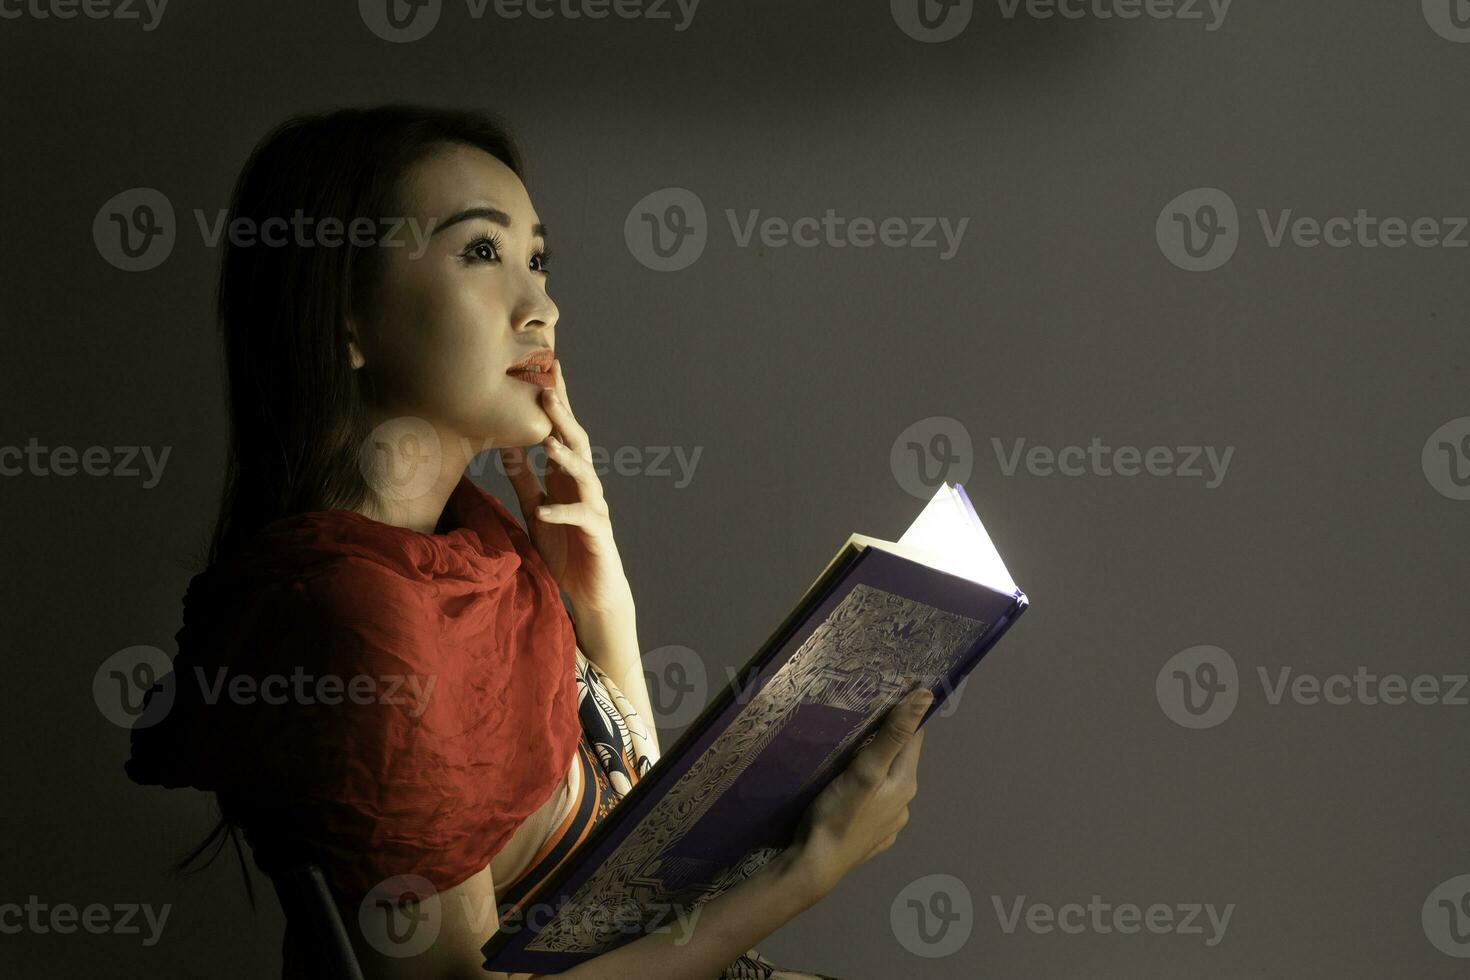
543	257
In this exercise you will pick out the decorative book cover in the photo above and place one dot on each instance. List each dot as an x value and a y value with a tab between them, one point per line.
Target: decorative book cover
729	794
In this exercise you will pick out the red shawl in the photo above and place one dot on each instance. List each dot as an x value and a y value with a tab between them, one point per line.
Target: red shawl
372	698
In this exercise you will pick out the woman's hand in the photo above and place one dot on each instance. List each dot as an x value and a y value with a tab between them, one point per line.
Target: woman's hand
860	813
568	521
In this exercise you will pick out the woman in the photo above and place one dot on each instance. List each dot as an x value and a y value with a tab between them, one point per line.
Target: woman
376	673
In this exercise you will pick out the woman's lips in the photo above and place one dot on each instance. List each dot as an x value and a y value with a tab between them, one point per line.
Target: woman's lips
542	378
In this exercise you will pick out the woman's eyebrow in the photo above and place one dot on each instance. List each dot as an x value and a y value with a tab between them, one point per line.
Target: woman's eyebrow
489	214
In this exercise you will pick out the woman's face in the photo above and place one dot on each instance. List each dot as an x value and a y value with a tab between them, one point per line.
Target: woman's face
461	297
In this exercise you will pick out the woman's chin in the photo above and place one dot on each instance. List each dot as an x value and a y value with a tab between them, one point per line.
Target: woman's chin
531	434
534	424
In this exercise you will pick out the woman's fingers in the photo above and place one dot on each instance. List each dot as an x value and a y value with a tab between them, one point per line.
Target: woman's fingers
900	724
905	767
579	468
561	383
573	456
522	479
581	514
560	410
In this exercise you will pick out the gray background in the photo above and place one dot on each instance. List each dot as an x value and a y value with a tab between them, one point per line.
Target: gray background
1059	777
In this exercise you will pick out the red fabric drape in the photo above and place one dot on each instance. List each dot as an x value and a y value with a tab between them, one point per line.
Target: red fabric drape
375	699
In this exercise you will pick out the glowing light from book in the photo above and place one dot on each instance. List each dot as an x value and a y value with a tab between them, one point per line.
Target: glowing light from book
949	532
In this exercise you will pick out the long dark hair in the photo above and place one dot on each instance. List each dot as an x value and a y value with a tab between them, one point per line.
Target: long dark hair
297	409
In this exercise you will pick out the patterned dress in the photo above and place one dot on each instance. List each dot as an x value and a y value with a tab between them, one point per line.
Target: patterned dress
614	753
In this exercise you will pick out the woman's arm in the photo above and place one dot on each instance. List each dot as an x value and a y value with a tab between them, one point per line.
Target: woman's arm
569	524
610	640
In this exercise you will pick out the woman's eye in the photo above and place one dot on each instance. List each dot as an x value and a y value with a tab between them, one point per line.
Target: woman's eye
483	250
487	249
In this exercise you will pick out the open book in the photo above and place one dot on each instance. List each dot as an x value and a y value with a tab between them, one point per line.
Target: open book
728	796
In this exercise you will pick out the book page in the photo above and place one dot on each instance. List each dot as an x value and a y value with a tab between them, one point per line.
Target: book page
948	535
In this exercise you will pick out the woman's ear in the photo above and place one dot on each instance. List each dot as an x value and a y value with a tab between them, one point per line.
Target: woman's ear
354	348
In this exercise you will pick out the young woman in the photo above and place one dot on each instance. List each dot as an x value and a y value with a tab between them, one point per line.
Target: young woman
376	673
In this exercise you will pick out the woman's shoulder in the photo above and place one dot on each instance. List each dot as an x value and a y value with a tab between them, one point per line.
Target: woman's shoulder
338	557
329	583
338	609
334	557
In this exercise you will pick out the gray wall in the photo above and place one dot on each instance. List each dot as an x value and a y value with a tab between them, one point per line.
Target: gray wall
1334	543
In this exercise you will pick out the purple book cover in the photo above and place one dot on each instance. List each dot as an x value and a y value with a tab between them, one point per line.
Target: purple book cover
729	794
